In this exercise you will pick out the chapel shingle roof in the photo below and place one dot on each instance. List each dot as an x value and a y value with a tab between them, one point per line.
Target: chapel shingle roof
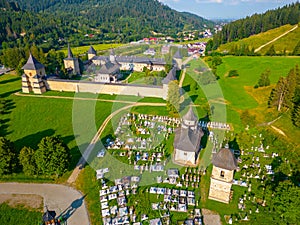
224	159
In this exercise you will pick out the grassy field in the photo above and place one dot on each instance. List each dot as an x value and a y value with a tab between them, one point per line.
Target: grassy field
30	119
19	215
250	69
84	49
255	41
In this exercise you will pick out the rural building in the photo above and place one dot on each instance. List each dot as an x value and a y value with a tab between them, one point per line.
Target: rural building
224	164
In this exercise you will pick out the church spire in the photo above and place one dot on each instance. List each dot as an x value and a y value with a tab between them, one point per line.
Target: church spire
70	54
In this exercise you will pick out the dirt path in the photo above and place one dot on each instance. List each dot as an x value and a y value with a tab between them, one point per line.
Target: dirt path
184	70
211	218
91	146
275	39
279	131
62	199
29	201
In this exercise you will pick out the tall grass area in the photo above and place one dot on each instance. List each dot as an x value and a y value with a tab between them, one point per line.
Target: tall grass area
20	215
257	40
286	43
83	49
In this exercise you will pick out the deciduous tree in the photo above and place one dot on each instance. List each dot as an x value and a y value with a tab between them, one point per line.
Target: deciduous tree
8	161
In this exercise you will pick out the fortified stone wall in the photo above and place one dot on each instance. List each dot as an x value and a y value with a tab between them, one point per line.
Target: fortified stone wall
95	87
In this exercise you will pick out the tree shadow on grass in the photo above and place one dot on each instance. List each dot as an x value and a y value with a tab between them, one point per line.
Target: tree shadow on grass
10	80
32	140
7	94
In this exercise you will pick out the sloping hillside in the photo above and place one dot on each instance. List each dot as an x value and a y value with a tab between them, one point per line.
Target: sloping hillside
287	42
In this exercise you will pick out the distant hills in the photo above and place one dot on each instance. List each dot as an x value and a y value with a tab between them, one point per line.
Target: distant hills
121	20
258	23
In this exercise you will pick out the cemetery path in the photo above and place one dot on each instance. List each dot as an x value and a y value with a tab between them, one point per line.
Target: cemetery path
63	199
89	149
275	39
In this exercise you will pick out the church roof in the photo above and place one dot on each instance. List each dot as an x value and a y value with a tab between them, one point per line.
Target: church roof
49	215
92	50
187	139
224	159
190	115
170	77
32	64
177	55
109	68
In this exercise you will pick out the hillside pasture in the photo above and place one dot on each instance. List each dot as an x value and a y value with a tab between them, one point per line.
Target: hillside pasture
257	40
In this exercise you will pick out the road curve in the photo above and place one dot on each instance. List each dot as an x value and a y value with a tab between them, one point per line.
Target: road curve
57	197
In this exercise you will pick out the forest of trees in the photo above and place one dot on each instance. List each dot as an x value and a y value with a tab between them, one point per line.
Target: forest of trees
257	23
52	23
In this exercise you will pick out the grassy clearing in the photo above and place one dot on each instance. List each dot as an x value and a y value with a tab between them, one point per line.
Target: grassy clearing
250	69
257	40
19	215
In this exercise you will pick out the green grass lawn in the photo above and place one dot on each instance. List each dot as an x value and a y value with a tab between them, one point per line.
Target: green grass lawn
30	119
250	69
19	215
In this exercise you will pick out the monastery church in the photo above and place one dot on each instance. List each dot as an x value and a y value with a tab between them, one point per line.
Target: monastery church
187	140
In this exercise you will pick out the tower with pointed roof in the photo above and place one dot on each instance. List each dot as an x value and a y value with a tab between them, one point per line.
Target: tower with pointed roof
33	77
178	59
71	63
224	165
187	140
91	53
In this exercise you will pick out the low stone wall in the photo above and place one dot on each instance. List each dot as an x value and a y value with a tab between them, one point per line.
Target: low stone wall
102	88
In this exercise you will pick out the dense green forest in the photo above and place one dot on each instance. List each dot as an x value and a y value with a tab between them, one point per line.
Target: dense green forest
50	23
257	23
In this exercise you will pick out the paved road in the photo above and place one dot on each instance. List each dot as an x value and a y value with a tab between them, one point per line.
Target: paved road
57	197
